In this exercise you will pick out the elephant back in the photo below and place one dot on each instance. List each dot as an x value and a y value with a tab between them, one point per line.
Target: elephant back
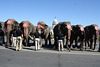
42	25
91	30
77	27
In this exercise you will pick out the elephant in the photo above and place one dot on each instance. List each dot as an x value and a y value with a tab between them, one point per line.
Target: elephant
76	34
44	32
91	34
28	28
9	25
2	32
65	28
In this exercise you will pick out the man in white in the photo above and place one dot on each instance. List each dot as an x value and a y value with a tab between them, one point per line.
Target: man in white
60	41
19	39
37	40
14	38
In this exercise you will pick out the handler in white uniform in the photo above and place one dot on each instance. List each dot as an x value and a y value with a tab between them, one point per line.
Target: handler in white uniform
37	40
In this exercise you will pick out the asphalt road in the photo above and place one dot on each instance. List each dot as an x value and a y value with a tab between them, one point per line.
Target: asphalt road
46	57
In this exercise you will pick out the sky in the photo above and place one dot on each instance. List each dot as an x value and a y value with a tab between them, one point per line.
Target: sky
84	12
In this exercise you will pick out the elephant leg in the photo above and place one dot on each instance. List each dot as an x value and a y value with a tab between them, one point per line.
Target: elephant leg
27	41
76	42
85	44
91	42
49	39
94	43
67	44
46	42
3	40
63	42
88	43
71	44
81	45
40	42
8	44
56	44
99	46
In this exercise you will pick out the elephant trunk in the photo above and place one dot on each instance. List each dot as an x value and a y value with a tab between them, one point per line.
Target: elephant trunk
25	31
69	31
8	26
69	34
97	34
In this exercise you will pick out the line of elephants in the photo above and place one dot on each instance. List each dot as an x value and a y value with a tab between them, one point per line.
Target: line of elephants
88	34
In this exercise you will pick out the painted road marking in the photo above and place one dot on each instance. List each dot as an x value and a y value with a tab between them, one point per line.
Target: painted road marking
57	52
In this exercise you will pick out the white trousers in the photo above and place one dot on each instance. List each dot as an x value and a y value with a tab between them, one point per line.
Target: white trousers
37	45
60	45
19	43
14	41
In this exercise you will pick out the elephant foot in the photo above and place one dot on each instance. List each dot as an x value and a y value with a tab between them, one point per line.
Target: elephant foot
7	46
68	49
3	45
45	45
81	49
85	48
98	50
93	49
54	47
71	48
75	47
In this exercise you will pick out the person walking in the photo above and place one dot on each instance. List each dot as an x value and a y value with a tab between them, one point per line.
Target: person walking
60	40
14	38
37	40
19	39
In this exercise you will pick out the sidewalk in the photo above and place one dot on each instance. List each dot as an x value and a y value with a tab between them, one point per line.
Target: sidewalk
48	50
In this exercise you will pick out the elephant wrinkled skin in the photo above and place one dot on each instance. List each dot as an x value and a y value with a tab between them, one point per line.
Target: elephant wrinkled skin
27	28
91	34
65	28
44	32
76	34
10	25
